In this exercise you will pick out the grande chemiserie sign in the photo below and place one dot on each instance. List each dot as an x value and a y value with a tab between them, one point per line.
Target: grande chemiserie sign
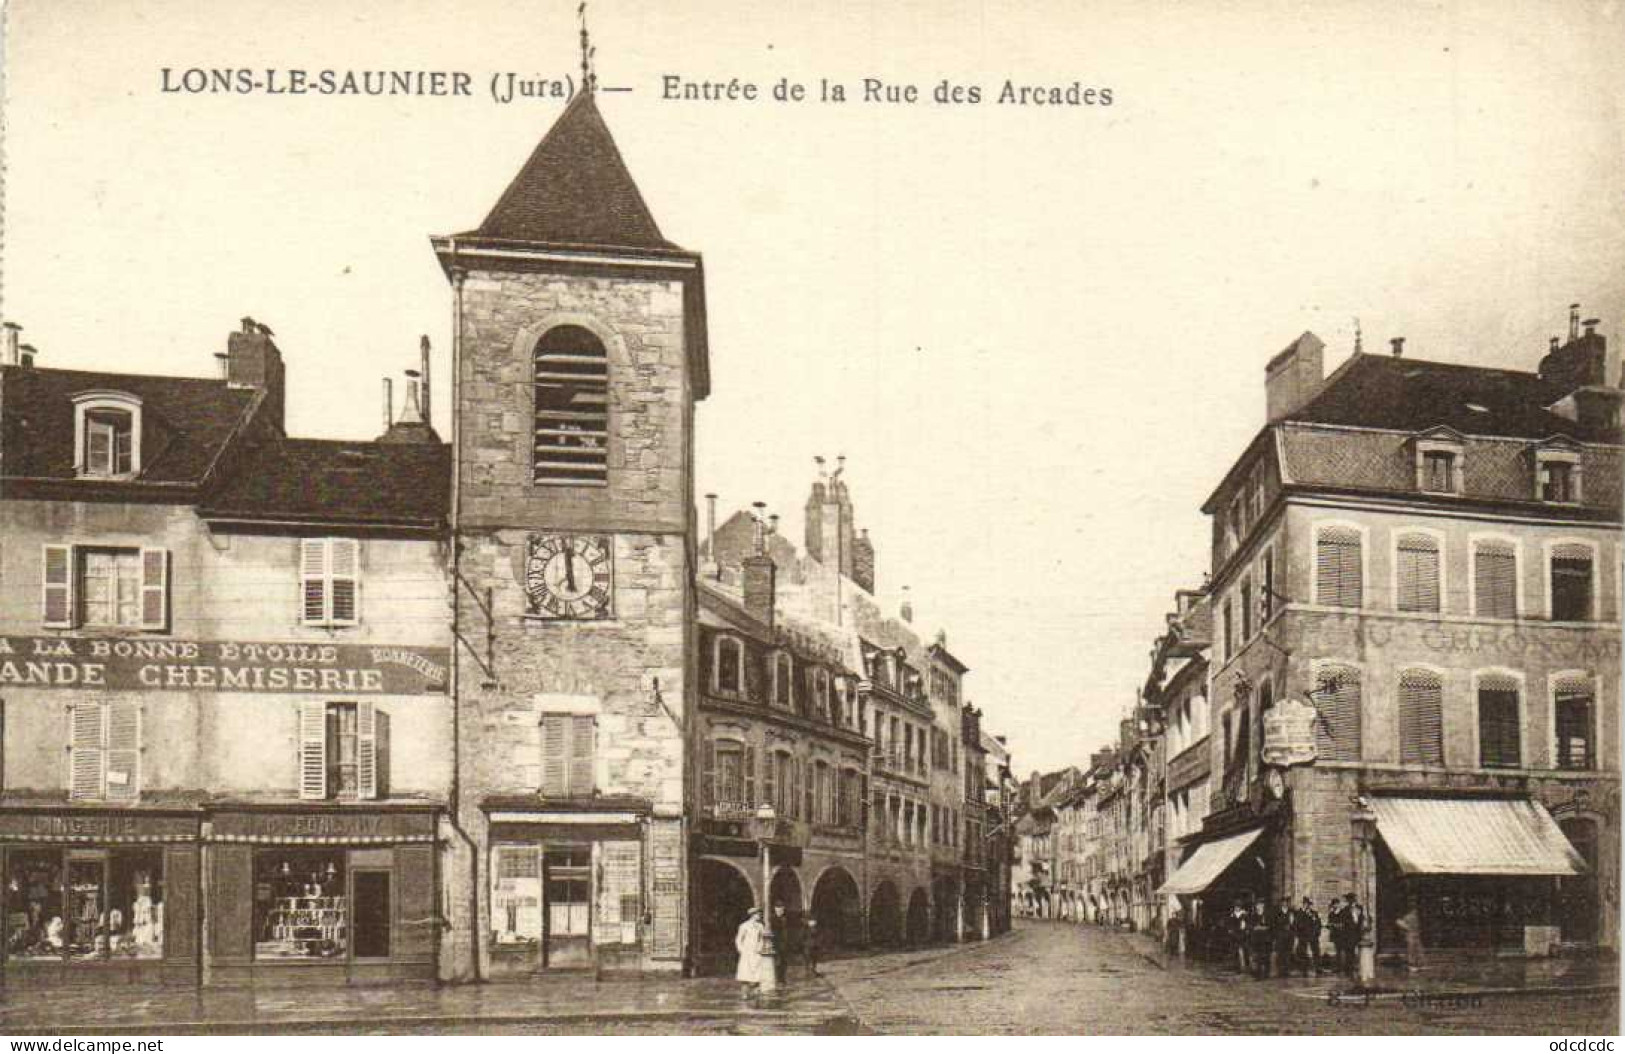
142	665
1289	733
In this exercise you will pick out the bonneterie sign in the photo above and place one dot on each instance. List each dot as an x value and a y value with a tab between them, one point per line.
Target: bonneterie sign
160	665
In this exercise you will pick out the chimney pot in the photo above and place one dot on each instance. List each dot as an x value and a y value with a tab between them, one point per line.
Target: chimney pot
8	351
25	355
1574	320
389	403
1398	344
1590	325
423	349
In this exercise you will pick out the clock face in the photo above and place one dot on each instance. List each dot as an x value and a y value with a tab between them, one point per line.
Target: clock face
569	576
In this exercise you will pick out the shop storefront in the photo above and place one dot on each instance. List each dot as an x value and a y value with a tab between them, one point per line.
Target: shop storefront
100	897
322	895
583	890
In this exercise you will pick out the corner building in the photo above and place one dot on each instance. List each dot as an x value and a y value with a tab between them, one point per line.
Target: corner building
579	353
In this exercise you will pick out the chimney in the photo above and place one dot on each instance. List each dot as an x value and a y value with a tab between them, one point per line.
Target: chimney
1398	344
411	412
389	403
760	576
1294	376
25	356
715	568
1574	321
1580	363
9	352
423	348
863	561
253	361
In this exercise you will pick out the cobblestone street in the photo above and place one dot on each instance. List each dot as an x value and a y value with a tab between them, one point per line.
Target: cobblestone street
1049	977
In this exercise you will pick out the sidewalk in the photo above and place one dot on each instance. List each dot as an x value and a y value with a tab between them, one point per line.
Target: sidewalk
1447	976
89	1009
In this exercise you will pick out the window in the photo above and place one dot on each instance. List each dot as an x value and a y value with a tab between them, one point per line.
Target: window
1438	462
328	572
1266	587
849	800
1416	569
107	434
784	684
1573	704
820	692
1337	728
105	588
1495	580
571	444
301	905
1246	610
1229	632
1499	738
1421	719
729	783
1557	476
567	872
84	905
729	674
1439	472
776	788
1338	574
567	755
104	751
343	751
1571	582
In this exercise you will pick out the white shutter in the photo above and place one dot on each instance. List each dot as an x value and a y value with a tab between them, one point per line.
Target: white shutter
1338	580
344	572
313	750
1495	583
123	751
582	734
1421	731
555	766
313	580
1418	573
57	601
1337	727
366	750
155	589
86	739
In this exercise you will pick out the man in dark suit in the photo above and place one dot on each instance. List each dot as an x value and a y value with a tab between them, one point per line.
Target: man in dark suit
1263	940
1306	929
1281	930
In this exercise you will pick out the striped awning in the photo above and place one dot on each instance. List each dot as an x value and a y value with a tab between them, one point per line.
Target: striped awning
1474	836
321	839
101	839
1208	862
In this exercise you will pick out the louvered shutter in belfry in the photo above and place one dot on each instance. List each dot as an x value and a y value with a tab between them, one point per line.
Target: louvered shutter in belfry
154	588
1495	580
344	571
57	602
123	751
312	750
555	762
86	753
1421	719
582	730
313	580
366	750
1337	568
1418	573
1337	727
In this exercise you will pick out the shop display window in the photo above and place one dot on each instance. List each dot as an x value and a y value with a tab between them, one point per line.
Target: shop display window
301	905
516	897
84	905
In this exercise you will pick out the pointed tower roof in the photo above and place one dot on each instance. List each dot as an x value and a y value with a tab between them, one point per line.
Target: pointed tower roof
575	191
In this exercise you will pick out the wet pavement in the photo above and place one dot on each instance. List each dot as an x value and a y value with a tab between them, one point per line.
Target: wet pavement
1058	978
1043	978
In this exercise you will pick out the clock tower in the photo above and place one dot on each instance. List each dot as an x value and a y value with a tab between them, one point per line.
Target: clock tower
579	352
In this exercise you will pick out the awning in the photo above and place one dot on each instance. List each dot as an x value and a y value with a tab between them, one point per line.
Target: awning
1208	862
1474	836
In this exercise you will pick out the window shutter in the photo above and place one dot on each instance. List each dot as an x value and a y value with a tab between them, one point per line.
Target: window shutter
1337	729
1499	743
1421	719
381	752
555	766
123	751
770	787
1495	580
809	797
749	764
313	580
344	569
312	750
155	589
1418	573
582	729
58	600
1337	568
708	773
86	738
366	750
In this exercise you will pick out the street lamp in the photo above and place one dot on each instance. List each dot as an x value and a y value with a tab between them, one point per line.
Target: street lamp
1364	824
767	822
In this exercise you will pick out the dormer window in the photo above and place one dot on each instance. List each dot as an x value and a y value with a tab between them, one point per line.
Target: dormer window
107	434
1557	471
1439	462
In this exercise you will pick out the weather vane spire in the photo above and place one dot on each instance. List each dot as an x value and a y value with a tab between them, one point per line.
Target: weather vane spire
1357	334
589	75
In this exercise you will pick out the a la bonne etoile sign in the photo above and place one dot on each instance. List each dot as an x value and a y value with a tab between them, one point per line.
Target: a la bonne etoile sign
137	665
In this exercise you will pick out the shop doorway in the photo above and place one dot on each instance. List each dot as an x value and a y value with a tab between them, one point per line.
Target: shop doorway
838	909
541	902
1577	894
919	917
886	916
722	898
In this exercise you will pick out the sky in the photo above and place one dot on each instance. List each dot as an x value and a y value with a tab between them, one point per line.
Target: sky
1037	334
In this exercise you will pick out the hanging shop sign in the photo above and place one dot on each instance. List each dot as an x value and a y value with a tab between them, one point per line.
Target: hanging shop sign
123	664
1289	733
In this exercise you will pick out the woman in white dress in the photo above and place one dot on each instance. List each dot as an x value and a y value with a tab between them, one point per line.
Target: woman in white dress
748	942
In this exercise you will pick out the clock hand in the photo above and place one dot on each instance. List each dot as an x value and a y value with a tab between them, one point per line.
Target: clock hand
570	566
